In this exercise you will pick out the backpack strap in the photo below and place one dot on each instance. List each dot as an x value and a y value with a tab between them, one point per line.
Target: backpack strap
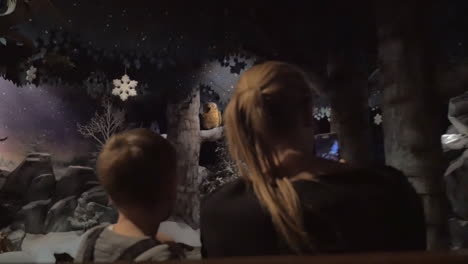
131	253
178	250
88	255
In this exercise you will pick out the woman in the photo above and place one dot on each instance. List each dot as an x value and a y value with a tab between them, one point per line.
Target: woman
290	202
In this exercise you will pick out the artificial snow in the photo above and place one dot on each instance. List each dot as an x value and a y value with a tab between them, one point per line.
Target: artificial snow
40	154
181	232
81	168
44	175
33	159
61	203
19	257
15	235
31	205
43	247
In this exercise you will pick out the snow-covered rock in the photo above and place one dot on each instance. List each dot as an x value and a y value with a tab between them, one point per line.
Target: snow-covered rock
92	210
34	215
74	182
181	232
16	238
42	187
34	165
58	216
97	195
104	214
43	247
36	204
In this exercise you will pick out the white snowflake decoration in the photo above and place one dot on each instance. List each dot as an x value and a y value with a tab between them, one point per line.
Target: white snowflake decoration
322	112
31	74
316	113
378	119
124	87
327	111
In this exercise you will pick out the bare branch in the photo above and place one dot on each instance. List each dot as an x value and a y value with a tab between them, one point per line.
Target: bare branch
212	134
103	125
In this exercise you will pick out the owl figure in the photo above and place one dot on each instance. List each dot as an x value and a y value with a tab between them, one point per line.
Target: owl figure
211	116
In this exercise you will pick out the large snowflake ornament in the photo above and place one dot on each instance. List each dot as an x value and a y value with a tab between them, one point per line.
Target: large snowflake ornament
124	87
31	74
378	119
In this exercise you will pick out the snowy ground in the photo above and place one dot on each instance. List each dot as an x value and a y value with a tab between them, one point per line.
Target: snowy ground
18	257
44	246
181	232
41	248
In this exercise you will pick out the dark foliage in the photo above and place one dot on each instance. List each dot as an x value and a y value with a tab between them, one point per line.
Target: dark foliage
224	171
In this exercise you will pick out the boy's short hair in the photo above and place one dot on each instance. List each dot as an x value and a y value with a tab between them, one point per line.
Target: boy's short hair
137	168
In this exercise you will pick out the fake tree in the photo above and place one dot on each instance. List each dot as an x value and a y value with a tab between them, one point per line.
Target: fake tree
412	139
103	124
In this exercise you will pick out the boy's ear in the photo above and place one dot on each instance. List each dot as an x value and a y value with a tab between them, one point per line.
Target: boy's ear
110	202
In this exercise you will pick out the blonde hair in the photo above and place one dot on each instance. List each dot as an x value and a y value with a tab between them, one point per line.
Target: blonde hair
270	101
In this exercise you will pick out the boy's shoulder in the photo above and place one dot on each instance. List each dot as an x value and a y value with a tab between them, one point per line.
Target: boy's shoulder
80	254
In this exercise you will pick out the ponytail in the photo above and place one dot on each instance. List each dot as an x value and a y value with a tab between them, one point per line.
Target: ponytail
255	162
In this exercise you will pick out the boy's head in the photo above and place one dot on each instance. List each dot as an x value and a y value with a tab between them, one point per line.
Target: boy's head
137	169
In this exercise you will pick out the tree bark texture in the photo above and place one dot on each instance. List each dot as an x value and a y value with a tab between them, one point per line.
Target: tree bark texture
411	117
184	133
347	87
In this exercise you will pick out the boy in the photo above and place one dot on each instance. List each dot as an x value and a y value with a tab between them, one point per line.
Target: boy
138	171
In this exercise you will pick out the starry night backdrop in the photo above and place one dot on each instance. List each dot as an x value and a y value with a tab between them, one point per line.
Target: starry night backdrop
40	119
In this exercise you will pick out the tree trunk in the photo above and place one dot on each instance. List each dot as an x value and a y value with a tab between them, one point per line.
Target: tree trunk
184	133
348	95
411	117
347	87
